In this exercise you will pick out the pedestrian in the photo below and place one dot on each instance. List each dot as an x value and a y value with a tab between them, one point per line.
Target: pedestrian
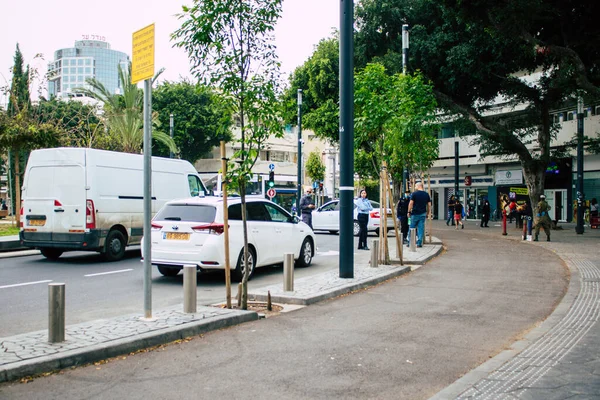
418	210
527	214
543	219
451	203
401	212
485	214
512	209
458	214
307	205
594	207
364	208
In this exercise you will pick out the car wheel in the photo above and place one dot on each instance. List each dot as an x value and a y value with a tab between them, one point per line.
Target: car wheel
238	273
168	271
306	254
356	228
114	248
51	254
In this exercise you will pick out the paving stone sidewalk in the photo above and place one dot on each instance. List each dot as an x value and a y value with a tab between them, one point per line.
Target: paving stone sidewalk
31	353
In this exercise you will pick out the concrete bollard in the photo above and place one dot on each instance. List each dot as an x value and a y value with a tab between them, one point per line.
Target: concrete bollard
413	239
288	272
375	253
56	312
190	288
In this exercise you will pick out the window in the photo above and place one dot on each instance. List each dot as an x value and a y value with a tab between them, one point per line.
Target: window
187	212
88	70
330	207
570	115
80	62
257	212
276	214
196	186
73	70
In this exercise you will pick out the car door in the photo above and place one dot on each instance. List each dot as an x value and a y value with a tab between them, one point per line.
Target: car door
287	238
326	217
263	232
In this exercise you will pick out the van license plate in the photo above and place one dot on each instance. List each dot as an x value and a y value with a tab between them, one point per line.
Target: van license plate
36	222
177	236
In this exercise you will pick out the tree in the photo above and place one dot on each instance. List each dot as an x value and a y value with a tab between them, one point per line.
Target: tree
472	53
315	169
123	112
230	44
201	118
318	77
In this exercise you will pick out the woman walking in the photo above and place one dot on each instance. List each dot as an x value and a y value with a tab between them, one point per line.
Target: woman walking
458	211
364	207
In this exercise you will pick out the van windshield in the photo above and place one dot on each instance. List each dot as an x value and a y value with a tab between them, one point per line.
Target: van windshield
187	213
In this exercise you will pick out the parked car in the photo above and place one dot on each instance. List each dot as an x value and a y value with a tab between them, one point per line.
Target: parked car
190	232
327	218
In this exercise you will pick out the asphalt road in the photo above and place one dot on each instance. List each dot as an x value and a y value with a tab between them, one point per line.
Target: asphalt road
96	289
407	338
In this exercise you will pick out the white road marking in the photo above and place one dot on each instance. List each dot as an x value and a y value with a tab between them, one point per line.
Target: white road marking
24	284
109	272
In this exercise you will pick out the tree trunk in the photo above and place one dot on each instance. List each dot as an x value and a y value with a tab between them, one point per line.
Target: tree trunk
242	186
17	209
533	172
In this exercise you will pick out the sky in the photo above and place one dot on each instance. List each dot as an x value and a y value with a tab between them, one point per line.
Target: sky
43	26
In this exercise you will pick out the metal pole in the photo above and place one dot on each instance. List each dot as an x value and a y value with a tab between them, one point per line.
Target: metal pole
404	49
299	191
56	312
413	239
456	167
375	253
288	272
579	229
171	127
147	198
190	279
346	259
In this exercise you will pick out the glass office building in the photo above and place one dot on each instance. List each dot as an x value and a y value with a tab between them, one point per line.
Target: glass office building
88	59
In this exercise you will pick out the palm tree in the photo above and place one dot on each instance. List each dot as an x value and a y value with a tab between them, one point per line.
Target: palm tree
123	112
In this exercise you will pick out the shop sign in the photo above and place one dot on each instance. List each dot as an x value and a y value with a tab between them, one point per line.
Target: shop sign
510	177
468	180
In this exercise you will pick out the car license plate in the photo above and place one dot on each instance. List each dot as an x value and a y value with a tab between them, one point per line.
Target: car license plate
176	236
36	222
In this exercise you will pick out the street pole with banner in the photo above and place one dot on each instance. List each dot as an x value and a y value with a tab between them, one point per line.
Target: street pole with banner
142	69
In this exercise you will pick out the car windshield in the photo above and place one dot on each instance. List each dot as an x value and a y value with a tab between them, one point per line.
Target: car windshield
187	212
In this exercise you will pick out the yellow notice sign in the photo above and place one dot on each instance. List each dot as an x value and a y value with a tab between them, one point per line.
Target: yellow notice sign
142	63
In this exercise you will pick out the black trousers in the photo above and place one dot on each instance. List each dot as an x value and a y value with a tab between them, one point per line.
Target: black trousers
363	221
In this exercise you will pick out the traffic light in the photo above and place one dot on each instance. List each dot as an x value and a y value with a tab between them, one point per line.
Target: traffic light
271	181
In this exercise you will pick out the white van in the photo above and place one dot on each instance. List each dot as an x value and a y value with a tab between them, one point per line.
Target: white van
88	199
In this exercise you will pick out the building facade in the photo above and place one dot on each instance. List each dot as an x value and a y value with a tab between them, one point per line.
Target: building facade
89	58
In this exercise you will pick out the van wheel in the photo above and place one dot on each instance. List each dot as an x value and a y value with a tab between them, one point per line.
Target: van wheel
114	248
306	254
168	271
238	273
51	254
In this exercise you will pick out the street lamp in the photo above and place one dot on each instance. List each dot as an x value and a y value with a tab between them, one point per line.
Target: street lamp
404	48
456	165
580	197
171	126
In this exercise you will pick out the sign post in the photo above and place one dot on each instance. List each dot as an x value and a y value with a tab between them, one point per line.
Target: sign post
271	193
142	69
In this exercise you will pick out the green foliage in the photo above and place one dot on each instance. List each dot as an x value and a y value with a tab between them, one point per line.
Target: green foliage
201	117
318	78
18	95
315	168
123	113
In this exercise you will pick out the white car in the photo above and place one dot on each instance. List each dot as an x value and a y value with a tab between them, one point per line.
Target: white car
327	218
190	232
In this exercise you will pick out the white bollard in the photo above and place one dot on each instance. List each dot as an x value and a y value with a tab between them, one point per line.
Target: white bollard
288	272
56	312
375	253
190	288
413	239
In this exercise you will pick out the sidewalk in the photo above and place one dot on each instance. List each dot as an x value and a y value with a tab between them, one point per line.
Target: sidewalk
560	358
31	354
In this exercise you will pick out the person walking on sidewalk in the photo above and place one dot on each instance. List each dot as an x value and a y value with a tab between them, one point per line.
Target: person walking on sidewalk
307	205
364	208
401	212
458	214
485	214
451	203
418	210
543	219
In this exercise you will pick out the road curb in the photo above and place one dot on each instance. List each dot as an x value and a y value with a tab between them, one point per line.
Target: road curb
122	346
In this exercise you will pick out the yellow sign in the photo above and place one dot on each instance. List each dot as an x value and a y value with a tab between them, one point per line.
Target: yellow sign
520	191
142	62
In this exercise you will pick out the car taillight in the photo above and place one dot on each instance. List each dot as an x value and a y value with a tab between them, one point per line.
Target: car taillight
155	227
212	228
90	217
374	214
21	216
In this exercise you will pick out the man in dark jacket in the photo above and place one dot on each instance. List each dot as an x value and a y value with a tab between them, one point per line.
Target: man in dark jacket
401	211
307	205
